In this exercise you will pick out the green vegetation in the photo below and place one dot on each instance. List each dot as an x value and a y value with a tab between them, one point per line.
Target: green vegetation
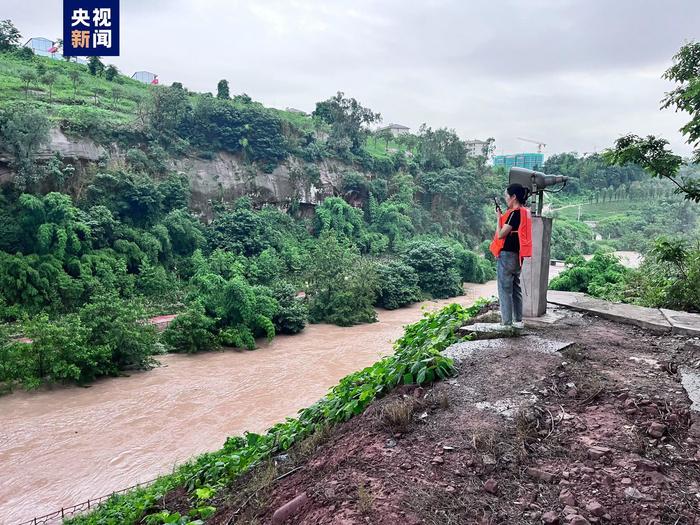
669	277
402	228
417	359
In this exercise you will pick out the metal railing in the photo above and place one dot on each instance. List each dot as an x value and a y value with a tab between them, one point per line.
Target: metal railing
67	512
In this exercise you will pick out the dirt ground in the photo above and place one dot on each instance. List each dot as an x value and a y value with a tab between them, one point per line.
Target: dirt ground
598	432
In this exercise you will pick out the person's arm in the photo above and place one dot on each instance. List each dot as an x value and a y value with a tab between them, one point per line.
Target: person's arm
508	226
503	232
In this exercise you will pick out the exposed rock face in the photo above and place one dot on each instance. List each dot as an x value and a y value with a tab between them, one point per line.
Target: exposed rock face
71	148
225	176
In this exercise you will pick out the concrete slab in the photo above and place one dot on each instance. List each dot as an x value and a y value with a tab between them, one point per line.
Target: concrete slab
526	343
554	313
648	318
690	379
489	330
682	322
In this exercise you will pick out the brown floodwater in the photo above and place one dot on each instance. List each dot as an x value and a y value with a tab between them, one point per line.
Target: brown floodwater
62	446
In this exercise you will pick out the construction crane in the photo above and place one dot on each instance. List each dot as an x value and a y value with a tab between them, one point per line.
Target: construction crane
539	143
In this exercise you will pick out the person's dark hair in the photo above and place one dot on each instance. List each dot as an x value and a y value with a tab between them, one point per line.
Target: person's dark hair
519	191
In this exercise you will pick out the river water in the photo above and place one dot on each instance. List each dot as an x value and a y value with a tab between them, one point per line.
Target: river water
62	446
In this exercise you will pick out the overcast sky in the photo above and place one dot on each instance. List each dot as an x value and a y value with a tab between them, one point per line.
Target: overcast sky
575	74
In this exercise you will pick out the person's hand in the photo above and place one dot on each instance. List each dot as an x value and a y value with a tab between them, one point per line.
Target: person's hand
498	213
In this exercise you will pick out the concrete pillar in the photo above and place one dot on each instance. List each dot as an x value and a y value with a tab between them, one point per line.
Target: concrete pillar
534	278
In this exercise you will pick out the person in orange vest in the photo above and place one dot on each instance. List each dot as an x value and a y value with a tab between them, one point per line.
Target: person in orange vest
512	242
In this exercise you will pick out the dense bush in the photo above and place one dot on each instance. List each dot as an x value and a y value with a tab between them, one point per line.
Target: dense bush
341	286
436	265
398	285
472	267
602	276
293	311
191	331
103	338
668	277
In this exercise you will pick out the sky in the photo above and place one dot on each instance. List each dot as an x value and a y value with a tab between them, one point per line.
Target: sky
574	74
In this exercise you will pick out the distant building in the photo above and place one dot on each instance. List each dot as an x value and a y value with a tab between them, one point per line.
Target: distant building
395	129
297	111
531	161
476	147
47	48
146	77
43	47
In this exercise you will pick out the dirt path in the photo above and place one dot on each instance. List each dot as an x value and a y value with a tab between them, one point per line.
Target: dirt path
599	432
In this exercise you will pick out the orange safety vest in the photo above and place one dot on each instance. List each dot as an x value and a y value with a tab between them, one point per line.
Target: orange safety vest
524	234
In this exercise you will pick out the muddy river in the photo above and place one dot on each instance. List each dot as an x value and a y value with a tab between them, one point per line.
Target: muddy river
62	446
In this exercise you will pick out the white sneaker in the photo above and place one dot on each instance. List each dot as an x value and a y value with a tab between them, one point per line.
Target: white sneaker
519	325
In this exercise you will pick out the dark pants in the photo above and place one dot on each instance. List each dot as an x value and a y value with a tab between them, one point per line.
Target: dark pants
510	298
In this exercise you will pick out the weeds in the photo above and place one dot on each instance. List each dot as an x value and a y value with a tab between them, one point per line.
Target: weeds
364	500
396	415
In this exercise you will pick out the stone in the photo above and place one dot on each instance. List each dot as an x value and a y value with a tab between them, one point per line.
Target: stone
489	330
550	518
567	498
289	509
437	460
577	519
626	481
596	453
542	475
646	464
491	486
595	508
569	510
657	430
632	493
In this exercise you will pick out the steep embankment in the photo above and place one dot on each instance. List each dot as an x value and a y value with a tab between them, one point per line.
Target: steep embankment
223	177
597	431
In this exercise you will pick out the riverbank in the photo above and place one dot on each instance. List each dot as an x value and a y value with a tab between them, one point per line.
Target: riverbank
66	445
582	422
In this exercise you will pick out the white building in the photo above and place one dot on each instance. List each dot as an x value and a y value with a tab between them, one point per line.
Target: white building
146	77
395	129
476	147
48	48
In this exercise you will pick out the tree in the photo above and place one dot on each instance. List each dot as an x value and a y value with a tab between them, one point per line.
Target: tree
222	90
651	152
95	66
23	131
342	286
348	120
27	78
117	93
111	72
9	35
74	76
386	135
49	79
96	93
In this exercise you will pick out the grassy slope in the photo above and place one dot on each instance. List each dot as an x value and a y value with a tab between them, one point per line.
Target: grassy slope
65	100
596	212
69	105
